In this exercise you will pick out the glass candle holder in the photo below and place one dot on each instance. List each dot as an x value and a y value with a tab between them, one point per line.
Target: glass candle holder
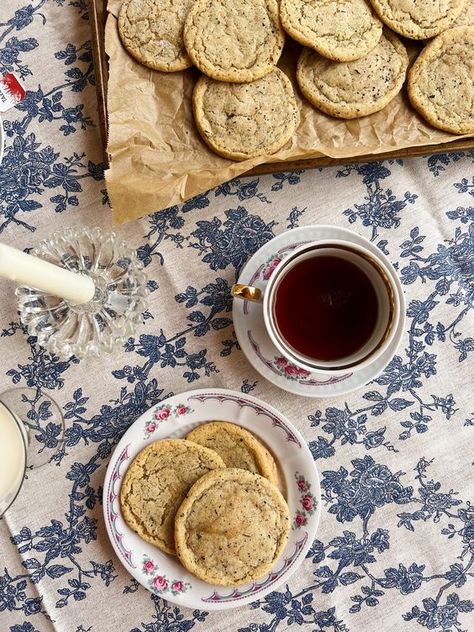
114	312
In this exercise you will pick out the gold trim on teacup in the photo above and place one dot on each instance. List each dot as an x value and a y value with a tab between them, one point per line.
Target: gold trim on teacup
390	324
247	292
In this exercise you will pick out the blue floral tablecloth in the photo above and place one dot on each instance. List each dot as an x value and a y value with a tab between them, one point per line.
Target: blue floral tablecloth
395	548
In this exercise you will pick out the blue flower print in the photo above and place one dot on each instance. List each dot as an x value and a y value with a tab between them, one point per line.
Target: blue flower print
168	618
10	55
468	534
44	371
290	177
233	241
244	190
438	163
25	627
407	580
358	493
316	552
440	617
380	539
380	208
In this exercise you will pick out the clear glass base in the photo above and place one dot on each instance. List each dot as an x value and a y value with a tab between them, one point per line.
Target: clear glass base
116	308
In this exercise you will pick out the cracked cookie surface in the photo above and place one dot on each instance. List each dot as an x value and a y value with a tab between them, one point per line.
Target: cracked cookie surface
441	81
232	527
342	30
356	88
234	40
466	17
152	32
240	121
418	19
156	483
237	447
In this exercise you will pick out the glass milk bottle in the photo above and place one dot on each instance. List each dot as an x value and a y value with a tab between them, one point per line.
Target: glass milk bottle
27	416
13	444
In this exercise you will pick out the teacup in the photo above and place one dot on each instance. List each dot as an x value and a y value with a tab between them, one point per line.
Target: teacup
330	306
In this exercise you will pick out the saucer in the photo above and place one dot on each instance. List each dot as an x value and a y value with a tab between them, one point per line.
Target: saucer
255	341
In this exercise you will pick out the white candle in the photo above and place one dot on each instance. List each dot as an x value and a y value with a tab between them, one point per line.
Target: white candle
41	275
12	457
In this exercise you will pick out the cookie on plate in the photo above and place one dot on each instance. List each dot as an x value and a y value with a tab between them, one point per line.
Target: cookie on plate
232	527
244	120
356	88
418	19
152	32
342	30
156	483
237	447
234	40
441	81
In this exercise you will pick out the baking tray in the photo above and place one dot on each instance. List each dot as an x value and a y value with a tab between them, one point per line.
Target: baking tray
98	15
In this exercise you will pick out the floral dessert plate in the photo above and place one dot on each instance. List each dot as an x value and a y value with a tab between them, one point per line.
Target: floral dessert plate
255	341
174	417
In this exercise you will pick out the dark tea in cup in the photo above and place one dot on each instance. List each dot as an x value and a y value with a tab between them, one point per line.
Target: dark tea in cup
325	307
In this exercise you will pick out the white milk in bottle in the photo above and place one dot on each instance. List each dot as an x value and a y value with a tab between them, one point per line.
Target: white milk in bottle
12	457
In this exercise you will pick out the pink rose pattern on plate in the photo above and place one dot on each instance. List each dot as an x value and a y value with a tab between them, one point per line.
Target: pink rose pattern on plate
307	501
270	266
162	413
283	368
160	584
148	566
300	519
289	370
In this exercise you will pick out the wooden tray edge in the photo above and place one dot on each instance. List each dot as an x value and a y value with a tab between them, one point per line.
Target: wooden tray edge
97	17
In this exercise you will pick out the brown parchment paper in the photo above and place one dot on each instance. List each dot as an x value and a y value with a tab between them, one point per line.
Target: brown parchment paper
157	158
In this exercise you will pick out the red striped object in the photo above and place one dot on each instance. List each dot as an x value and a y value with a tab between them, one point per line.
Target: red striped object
11	92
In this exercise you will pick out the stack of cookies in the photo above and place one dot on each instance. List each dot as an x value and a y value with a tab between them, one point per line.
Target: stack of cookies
211	499
244	106
353	63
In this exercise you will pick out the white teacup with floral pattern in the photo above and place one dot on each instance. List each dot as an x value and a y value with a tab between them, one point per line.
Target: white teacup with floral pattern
381	280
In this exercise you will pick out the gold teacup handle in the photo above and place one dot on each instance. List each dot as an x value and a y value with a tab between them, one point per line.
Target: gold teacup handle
247	292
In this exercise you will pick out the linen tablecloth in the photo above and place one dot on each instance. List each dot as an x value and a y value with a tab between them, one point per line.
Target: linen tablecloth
395	547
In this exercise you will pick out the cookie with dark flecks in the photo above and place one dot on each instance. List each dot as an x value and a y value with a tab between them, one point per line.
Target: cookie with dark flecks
232	527
237	447
152	32
156	483
342	30
356	88
234	40
441	81
418	19
245	120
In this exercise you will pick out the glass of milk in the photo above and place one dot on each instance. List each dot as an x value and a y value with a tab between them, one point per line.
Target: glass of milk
31	434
